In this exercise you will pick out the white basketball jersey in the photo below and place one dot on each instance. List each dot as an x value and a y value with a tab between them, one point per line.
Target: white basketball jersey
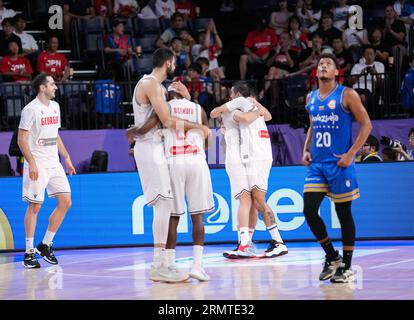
43	123
256	143
142	112
177	142
254	137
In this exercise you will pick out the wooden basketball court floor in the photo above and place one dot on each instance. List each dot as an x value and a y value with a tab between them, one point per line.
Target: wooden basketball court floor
383	269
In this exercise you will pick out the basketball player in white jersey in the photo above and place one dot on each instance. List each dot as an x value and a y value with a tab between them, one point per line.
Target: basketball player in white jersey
190	175
40	143
190	178
248	166
149	97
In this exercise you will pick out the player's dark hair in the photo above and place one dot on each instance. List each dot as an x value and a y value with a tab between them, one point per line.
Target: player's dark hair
410	132
242	87
40	79
372	142
160	56
328	55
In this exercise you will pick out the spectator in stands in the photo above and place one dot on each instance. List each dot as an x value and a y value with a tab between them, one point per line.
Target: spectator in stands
103	8
308	14
5	13
394	34
182	56
52	62
187	40
343	57
340	14
186	8
29	44
165	8
409	154
404	10
257	47
7	35
407	88
177	24
119	47
279	20
367	75
282	60
192	81
210	48
73	10
382	49
354	41
299	38
369	151
327	29
310	56
15	67
149	11
126	8
210	86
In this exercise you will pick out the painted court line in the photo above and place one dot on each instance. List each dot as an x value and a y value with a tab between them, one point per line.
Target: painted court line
391	264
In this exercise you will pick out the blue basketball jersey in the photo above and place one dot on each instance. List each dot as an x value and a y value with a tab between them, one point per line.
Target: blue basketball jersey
332	125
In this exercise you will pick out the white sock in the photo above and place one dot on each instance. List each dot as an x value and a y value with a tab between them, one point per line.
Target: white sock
161	221
274	233
49	235
251	232
159	254
244	236
169	259
29	244
198	255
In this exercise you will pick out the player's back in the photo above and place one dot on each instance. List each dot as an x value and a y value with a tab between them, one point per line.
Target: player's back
178	142
332	125
256	145
143	111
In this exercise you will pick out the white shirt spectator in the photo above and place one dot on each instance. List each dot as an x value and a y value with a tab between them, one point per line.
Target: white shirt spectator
306	22
340	17
357	70
28	42
6	13
165	8
349	38
148	13
118	3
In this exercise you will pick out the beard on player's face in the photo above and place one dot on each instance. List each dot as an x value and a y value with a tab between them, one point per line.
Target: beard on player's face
170	71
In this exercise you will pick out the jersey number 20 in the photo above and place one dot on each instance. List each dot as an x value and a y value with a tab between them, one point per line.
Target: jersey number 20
323	139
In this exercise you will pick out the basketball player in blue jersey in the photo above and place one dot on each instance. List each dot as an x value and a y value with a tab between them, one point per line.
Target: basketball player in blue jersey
329	155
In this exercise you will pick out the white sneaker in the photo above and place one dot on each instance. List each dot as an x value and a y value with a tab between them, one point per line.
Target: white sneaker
198	272
167	274
275	249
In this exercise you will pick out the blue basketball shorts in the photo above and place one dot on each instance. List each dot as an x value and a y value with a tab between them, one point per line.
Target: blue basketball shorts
339	183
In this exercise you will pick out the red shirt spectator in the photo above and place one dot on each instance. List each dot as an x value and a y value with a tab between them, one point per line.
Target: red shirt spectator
16	65
261	42
52	62
186	8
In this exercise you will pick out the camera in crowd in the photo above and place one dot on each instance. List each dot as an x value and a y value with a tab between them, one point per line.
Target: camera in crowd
385	141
